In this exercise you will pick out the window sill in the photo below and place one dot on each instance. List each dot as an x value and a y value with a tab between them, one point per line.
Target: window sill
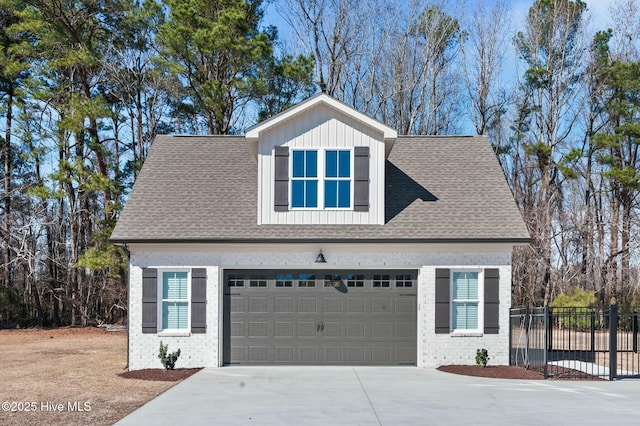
176	333
466	334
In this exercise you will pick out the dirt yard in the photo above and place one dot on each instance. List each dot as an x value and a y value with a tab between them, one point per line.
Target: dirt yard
68	376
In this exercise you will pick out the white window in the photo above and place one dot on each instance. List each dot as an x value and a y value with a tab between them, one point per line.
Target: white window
321	179
174	293
466	297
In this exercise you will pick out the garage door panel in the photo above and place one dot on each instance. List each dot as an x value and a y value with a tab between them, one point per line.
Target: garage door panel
381	354
307	305
381	305
237	329
307	329
258	353
238	353
238	304
332	354
405	305
355	354
380	329
332	329
258	304
284	354
356	305
404	354
258	329
283	329
307	354
404	329
283	305
332	305
355	329
355	323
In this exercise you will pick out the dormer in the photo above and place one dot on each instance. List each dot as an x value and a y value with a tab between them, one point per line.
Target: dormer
321	162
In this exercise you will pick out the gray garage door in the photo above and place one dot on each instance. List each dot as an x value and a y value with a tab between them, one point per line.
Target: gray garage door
327	317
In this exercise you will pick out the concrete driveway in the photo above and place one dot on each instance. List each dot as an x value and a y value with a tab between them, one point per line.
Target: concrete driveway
384	396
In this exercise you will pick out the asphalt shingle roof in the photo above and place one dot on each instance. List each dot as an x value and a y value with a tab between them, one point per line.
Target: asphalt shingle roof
204	188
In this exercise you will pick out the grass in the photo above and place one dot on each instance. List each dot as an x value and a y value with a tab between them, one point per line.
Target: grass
51	371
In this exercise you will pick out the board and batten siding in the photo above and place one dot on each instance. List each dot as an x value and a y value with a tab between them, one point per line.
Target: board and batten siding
321	127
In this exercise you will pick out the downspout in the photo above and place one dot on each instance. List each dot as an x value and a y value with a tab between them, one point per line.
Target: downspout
128	255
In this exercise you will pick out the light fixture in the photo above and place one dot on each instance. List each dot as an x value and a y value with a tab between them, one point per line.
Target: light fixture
320	258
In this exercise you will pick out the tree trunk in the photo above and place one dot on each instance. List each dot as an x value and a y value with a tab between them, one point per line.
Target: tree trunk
8	172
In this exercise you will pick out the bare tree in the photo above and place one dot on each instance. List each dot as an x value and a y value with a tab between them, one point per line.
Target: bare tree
552	45
485	40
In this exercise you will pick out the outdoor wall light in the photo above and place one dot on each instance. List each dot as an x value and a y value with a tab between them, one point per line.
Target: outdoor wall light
320	258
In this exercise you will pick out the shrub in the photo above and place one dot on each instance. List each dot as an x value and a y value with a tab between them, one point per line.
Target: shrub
168	360
482	357
573	308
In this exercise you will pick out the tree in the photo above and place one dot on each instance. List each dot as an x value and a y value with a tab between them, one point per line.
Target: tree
216	48
619	152
552	46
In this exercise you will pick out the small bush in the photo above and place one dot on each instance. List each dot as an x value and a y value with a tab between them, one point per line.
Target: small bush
573	308
168	360
482	357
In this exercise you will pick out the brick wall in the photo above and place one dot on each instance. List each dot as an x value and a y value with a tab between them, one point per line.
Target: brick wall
204	350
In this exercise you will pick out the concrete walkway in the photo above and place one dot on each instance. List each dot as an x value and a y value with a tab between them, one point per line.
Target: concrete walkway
384	396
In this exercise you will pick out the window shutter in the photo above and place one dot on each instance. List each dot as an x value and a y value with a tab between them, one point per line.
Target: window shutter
361	179
281	172
198	300
149	300
491	301
443	289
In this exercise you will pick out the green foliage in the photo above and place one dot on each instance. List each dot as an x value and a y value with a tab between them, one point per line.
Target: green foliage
482	357
574	297
168	360
573	308
217	48
283	82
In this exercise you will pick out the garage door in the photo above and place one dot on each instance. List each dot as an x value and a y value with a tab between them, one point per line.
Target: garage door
327	317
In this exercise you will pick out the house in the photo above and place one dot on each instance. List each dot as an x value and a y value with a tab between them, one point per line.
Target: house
320	237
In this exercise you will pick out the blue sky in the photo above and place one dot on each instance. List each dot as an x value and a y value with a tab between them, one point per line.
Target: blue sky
599	10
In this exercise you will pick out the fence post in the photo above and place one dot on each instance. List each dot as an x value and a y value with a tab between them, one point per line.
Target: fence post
547	330
526	336
593	332
634	329
613	341
548	327
510	333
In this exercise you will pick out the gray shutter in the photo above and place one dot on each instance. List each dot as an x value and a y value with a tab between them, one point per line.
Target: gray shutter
443	302
281	172
149	300
491	301
198	300
361	179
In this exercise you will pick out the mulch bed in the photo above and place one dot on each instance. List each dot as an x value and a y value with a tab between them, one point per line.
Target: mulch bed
512	372
493	371
160	374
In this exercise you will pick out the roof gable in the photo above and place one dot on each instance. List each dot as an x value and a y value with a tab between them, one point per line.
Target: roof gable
321	98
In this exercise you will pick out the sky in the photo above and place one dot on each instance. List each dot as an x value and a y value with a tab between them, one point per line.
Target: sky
597	15
599	10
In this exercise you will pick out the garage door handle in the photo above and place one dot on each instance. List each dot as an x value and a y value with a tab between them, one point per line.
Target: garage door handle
320	326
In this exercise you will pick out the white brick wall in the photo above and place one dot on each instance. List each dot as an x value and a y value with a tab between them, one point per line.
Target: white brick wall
204	350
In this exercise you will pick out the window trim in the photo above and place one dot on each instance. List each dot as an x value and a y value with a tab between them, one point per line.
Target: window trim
322	177
173	331
466	331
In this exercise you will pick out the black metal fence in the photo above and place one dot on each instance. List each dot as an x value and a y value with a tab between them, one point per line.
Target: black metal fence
576	342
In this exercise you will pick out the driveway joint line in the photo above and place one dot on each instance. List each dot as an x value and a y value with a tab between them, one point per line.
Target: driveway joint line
367	395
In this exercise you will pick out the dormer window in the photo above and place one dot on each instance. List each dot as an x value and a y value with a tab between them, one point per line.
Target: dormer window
337	182
304	179
308	191
321	179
